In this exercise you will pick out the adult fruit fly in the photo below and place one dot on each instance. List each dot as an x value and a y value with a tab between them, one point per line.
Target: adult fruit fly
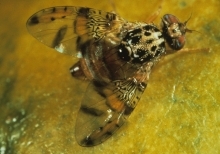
116	56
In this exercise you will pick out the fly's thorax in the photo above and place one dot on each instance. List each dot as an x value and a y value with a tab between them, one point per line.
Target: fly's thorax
143	43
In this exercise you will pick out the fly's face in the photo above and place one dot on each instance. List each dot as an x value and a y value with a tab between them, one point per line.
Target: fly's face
174	31
116	56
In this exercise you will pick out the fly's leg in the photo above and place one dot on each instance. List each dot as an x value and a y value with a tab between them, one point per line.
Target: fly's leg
155	14
188	50
172	54
77	72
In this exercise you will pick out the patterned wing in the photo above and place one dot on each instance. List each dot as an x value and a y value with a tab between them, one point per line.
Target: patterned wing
63	27
106	108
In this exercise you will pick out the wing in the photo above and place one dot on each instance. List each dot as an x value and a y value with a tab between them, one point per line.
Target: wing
63	27
105	108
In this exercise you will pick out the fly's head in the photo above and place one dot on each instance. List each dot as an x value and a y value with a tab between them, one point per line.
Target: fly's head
174	31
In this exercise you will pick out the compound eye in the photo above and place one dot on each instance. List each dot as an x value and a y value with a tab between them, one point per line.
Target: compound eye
179	42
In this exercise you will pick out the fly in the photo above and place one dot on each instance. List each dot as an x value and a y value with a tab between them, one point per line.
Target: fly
116	56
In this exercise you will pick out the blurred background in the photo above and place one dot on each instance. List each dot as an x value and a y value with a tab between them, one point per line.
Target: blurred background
179	112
